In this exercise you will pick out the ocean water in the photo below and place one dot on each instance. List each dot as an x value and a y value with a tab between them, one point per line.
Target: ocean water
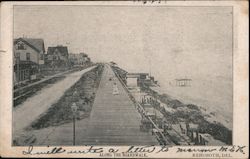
213	94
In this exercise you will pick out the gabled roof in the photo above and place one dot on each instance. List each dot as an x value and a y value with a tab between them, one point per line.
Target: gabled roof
79	55
121	70
183	79
83	54
138	74
62	49
36	44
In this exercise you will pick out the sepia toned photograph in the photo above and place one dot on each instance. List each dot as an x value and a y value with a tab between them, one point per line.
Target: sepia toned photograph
103	75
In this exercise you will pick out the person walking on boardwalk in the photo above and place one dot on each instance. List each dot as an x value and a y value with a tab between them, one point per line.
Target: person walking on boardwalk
115	89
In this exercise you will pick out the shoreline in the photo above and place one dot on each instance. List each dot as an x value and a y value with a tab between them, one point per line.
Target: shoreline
193	113
226	120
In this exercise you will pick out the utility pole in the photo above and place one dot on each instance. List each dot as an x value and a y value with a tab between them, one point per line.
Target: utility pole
18	69
74	130
150	66
74	110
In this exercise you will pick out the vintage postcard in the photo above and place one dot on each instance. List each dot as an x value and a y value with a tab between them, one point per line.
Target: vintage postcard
124	79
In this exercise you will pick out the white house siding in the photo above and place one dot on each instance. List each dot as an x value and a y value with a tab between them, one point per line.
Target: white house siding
132	82
34	55
22	75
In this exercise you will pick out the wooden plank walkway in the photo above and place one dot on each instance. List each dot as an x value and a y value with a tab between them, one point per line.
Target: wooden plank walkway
114	120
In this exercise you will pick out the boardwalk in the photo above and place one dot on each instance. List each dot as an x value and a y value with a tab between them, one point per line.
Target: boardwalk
114	119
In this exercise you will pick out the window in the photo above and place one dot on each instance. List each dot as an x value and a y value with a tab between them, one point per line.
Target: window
21	75
17	56
41	56
26	75
20	46
28	56
54	57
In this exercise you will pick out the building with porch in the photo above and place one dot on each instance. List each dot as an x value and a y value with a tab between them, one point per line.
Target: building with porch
136	79
78	59
57	57
28	57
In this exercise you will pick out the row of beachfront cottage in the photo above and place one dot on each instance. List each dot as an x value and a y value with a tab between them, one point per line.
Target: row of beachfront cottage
31	60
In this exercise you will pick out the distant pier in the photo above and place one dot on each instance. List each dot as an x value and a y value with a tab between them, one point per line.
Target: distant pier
183	82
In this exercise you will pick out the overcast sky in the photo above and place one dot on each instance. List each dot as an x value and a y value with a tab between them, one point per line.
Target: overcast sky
181	42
